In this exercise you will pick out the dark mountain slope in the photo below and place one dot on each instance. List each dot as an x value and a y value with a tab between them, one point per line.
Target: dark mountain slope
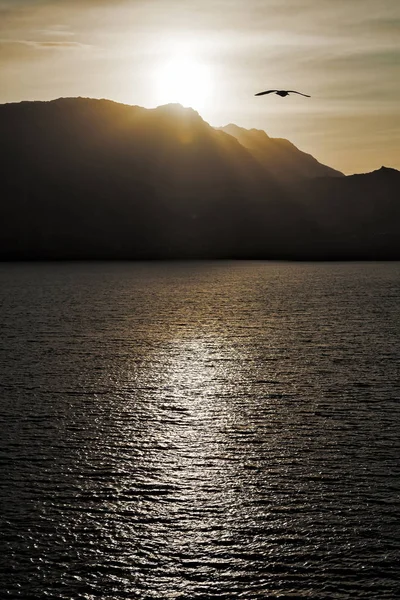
92	178
357	216
280	158
84	179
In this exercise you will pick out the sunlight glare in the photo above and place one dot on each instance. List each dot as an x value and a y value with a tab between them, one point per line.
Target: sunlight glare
184	80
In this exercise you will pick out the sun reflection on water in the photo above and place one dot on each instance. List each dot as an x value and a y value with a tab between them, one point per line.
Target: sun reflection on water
202	431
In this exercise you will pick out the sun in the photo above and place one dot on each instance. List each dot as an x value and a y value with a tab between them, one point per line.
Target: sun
184	80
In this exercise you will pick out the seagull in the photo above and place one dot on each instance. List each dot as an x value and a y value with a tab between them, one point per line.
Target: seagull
281	93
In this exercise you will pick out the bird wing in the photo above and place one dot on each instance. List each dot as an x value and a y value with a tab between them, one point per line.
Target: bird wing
294	92
267	92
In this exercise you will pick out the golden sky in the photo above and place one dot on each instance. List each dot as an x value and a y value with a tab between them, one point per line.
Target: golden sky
215	55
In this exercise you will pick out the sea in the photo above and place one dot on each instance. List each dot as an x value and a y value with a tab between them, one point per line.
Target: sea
200	430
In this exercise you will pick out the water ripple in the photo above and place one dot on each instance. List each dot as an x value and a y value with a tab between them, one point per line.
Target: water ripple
199	430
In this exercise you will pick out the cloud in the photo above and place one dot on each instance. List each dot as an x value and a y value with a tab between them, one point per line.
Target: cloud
23	51
42	44
56	31
58	44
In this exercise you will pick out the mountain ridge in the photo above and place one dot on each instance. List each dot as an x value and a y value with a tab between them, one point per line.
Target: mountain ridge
280	156
96	179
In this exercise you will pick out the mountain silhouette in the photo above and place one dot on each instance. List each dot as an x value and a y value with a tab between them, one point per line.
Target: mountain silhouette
279	157
94	179
357	216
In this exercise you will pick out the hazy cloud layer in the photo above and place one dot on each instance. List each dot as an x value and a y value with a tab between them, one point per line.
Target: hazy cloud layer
58	44
39	44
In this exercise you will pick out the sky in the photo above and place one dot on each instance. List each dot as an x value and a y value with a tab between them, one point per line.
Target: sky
215	55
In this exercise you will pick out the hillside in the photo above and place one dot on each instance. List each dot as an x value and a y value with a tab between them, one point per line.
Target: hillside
279	157
85	179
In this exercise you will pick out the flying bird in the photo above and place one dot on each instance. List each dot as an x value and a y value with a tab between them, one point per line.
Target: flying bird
281	93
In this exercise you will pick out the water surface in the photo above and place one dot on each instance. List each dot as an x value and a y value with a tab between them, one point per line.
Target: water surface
199	430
